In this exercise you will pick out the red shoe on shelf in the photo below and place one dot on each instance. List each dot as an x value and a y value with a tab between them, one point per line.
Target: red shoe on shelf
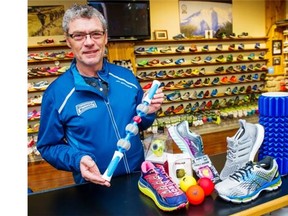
69	55
147	86
46	41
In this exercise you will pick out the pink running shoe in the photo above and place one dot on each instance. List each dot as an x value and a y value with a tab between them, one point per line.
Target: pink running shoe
158	185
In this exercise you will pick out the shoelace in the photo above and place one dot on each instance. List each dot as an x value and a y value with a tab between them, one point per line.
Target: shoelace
243	172
165	186
231	153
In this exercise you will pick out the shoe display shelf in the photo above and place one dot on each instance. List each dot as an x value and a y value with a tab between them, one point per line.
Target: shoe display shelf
45	64
210	78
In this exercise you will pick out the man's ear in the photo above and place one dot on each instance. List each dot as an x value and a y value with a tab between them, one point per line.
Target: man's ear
68	42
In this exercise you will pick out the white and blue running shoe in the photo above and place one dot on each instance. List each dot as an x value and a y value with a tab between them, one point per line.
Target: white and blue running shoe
246	183
186	140
242	147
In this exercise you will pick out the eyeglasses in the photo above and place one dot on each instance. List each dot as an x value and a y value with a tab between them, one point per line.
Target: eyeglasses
79	36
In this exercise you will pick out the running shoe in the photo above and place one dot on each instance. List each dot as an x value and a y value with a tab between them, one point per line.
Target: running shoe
228	91
185	96
257	46
188	107
251	67
186	140
179	36
170	85
200	95
166	49
205	48
214	93
180	73
152	50
161	74
198	83
242	147
244	68
180	48
169	111
219	69
231	47
193	48
235	90
153	62
237	68
196	60
220	58
140	50
224	80
261	55
175	96
216	81
142	75
179	109
207	81
180	61
208	59
247	182
41	84
195	71
229	58
232	35
251	56
255	77
202	71
230	69
242	78
151	75
188	72
254	88
206	94
241	46
240	57
167	61
257	67
189	84
219	47
155	183
142	63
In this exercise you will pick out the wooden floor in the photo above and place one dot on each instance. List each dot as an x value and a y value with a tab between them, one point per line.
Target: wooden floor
42	176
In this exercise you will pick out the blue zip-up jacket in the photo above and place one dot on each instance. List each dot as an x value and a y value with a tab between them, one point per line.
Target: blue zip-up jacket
78	119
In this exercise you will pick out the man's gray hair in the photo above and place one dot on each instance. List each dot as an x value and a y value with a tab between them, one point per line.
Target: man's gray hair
82	11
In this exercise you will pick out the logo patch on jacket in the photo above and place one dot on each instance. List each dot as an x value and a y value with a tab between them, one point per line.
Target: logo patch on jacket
81	108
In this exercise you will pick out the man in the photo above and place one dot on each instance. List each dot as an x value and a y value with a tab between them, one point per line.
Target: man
85	111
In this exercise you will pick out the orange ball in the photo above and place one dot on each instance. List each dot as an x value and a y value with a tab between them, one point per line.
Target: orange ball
195	195
207	185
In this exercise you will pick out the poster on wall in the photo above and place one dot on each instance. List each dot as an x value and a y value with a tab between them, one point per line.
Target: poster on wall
45	20
198	16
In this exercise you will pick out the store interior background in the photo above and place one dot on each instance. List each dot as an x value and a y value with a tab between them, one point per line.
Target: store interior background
248	16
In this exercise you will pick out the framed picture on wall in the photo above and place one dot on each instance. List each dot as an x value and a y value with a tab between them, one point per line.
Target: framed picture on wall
276	60
161	34
276	47
45	20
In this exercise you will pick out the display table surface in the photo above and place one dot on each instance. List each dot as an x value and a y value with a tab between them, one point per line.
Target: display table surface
124	198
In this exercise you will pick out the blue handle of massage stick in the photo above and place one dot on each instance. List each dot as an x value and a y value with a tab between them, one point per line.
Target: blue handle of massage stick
112	166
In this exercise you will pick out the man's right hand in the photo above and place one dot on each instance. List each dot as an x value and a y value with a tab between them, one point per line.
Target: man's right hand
90	172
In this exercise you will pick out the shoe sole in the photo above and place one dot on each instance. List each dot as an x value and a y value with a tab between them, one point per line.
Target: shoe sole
258	141
148	192
273	185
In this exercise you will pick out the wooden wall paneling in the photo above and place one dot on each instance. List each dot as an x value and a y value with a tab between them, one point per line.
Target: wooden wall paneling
275	10
122	51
